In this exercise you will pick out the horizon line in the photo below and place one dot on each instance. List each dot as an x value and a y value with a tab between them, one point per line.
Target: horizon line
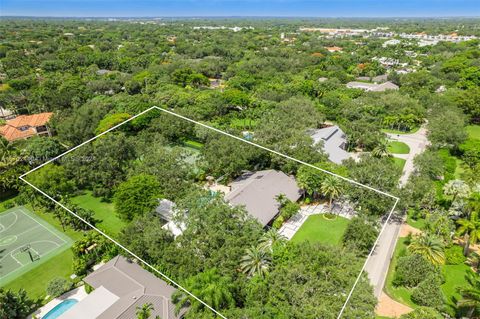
238	16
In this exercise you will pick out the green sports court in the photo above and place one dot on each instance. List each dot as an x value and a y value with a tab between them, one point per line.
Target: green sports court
26	241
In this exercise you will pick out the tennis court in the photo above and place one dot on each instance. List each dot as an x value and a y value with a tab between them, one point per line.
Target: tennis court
26	241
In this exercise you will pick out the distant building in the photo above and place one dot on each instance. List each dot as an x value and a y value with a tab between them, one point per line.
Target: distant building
258	192
380	78
334	142
25	126
121	286
334	49
372	87
391	42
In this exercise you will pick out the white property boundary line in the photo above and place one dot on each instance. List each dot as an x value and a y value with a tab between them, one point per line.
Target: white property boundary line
237	138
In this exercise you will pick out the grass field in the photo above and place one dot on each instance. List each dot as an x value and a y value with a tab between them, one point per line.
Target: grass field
35	281
417	223
319	229
399	162
396	147
473	131
104	211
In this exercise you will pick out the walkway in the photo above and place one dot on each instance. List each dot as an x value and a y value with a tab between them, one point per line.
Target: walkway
290	227
417	142
387	307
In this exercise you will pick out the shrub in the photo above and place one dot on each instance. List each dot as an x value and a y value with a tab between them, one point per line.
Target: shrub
422	313
428	293
278	222
413	269
454	255
289	210
58	286
360	234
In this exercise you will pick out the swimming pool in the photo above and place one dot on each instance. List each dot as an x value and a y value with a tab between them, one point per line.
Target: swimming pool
60	309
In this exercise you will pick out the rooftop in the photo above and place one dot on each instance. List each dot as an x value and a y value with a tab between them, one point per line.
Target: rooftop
257	191
120	287
23	126
334	142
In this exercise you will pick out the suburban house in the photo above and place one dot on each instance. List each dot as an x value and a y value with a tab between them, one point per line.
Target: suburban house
372	87
166	210
25	126
258	192
121	286
334	142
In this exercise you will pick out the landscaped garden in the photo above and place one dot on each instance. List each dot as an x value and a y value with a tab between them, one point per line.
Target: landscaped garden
318	228
453	279
396	147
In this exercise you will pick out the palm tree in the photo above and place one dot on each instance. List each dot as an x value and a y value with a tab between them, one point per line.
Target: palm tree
470	230
210	287
270	239
331	188
144	311
381	150
282	199
430	247
471	295
256	261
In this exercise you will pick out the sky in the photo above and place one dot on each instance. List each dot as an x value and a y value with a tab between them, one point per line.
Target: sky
210	8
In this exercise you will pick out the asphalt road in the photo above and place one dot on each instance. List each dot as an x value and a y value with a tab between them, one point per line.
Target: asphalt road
417	142
377	266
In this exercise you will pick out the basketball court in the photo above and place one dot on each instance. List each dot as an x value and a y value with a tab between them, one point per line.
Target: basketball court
25	242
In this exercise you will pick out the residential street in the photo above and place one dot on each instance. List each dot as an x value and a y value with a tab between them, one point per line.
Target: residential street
377	266
417	142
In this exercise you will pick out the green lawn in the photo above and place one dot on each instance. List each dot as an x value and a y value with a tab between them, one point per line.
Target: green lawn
243	123
459	168
399	162
104	211
396	147
417	223
193	144
454	278
318	229
473	131
35	281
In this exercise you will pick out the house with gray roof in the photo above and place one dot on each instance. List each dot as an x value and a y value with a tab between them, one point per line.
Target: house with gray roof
334	142
258	191
372	87
121	286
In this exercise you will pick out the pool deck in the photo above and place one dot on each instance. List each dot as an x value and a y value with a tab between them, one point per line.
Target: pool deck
77	293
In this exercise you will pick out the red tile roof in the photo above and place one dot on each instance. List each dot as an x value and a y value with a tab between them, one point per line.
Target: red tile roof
11	130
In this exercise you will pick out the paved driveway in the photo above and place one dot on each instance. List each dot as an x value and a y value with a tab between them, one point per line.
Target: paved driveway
417	142
379	261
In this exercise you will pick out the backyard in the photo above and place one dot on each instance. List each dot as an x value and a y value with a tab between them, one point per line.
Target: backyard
104	211
317	228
